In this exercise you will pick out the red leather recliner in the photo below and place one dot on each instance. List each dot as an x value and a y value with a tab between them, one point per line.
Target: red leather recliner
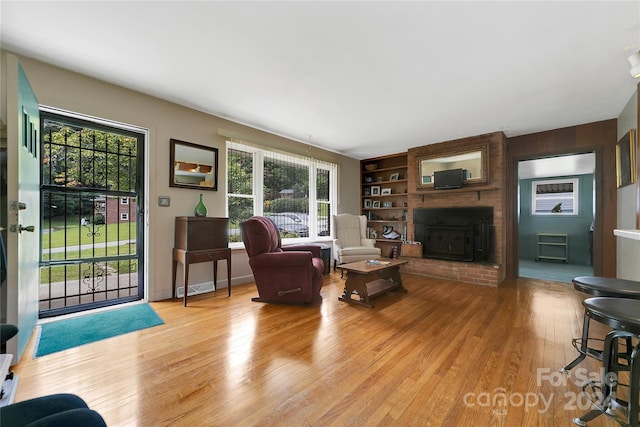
284	274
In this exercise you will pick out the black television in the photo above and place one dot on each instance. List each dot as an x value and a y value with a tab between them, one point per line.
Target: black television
447	179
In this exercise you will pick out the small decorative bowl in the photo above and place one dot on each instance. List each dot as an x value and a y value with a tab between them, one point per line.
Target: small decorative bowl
371	166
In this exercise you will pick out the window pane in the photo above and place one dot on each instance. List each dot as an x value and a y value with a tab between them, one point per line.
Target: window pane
286	186
240	209
322	185
239	172
557	202
555	197
322	197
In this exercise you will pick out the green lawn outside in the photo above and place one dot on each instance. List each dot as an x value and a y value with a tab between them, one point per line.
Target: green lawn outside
98	251
57	273
81	235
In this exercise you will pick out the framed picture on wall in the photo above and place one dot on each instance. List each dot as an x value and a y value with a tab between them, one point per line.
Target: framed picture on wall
386	191
626	159
375	190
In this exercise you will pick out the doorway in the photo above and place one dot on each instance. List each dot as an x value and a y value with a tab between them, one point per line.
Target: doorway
92	216
556	213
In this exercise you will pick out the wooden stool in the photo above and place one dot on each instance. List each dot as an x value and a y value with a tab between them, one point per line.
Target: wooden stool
599	287
623	315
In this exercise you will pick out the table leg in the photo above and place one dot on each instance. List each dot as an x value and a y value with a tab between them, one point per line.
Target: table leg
393	274
215	274
186	282
173	276
355	282
229	272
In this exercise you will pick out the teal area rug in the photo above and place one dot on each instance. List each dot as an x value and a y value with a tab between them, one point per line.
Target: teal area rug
68	333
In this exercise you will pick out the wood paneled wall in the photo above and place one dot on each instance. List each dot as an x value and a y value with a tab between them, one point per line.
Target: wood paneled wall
599	137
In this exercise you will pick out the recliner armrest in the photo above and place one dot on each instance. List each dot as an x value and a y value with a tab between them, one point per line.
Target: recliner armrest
314	249
282	259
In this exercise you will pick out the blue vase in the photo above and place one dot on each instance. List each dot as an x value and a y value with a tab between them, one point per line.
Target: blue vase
201	209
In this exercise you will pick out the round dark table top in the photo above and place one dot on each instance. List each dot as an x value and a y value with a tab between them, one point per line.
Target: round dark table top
607	287
618	313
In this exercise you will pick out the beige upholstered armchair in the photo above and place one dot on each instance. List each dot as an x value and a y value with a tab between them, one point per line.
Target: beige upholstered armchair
351	243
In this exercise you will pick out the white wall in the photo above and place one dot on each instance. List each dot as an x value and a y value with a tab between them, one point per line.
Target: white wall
56	87
628	250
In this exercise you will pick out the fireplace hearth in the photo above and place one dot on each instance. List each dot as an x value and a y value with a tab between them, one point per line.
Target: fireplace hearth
456	234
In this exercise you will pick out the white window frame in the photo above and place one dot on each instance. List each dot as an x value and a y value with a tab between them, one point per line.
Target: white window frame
124	200
312	165
576	196
124	216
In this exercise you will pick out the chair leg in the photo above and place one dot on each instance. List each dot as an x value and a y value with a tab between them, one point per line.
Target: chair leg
584	349
609	382
634	386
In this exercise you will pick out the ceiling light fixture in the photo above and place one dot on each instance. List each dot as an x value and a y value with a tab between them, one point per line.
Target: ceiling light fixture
634	60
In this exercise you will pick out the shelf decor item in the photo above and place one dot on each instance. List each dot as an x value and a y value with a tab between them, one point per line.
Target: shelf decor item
201	209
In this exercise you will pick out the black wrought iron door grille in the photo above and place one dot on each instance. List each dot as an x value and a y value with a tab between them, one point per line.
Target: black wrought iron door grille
91	216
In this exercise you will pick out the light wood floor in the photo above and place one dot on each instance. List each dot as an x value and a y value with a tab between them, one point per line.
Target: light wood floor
442	354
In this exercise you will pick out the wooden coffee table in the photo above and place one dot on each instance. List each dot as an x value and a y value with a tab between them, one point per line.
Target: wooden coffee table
368	279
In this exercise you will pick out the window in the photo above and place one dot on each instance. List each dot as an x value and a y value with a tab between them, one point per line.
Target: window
297	193
124	217
555	197
124	200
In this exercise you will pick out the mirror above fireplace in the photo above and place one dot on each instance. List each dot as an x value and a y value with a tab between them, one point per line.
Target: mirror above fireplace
473	160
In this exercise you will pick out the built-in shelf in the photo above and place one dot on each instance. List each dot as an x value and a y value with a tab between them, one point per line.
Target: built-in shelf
387	176
629	234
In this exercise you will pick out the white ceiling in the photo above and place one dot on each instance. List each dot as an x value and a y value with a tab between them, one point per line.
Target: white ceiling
359	78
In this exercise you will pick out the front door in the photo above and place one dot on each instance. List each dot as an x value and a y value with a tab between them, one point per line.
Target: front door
92	197
23	214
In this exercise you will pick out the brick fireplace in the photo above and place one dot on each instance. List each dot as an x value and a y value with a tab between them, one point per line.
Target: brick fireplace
479	266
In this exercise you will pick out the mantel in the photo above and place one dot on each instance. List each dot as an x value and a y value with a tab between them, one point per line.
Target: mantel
629	234
470	189
465	189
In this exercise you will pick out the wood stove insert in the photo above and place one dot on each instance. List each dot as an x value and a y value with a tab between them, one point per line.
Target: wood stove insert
456	234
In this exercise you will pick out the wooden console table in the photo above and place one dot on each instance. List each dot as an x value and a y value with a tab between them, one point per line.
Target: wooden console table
200	239
369	280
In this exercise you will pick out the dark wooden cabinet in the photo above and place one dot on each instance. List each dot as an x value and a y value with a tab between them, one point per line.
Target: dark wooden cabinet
200	239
